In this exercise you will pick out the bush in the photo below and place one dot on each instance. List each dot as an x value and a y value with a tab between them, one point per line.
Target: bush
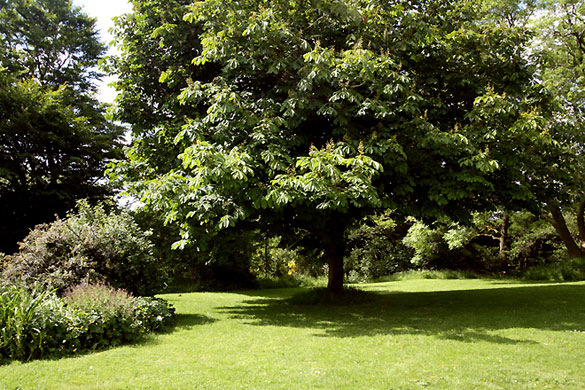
106	316
152	314
270	261
534	242
376	250
39	323
89	246
224	266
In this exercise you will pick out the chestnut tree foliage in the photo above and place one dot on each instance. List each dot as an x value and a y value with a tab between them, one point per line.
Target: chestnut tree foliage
299	117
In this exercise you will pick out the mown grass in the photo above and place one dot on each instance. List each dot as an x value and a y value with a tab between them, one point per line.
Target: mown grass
413	334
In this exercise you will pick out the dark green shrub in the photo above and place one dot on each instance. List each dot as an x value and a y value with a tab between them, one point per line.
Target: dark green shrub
270	261
55	320
225	266
475	246
534	242
89	246
376	250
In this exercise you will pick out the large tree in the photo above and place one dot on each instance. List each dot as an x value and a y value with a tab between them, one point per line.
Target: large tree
303	116
54	138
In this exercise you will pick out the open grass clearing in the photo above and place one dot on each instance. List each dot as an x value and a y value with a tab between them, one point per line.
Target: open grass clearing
415	334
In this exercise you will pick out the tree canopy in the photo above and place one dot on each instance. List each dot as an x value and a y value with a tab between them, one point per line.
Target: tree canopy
300	117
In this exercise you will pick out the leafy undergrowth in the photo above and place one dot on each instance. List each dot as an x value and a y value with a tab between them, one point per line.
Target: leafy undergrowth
414	334
430	274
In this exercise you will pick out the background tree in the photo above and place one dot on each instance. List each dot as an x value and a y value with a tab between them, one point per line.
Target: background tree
54	138
561	38
299	118
50	41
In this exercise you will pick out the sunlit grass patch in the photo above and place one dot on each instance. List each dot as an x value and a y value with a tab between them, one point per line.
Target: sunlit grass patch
415	334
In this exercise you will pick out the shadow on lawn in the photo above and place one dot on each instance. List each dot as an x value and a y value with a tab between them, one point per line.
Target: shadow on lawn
465	316
188	321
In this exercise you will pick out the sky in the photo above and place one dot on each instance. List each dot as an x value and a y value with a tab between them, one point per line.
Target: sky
104	11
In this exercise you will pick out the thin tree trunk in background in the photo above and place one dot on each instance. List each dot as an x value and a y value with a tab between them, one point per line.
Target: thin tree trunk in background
267	267
581	222
504	237
561	227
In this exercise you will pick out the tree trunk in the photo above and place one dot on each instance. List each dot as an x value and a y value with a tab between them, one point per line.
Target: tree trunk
335	282
561	227
581	222
334	251
504	237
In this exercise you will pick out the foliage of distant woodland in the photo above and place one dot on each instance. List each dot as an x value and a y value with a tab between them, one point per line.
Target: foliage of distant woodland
279	139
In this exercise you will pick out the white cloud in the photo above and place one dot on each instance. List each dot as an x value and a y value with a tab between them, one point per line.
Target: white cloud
104	11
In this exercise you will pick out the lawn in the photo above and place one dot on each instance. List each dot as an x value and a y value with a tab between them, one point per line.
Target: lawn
414	334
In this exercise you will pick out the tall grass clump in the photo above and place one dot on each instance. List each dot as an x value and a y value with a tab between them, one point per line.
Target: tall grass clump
100	298
25	316
566	270
106	316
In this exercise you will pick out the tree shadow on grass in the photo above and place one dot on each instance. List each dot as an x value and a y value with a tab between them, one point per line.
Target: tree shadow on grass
465	316
189	321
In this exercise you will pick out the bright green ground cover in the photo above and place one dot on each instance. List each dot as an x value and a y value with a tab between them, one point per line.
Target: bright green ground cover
417	334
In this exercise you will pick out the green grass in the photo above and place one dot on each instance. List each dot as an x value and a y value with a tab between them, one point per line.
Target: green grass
413	334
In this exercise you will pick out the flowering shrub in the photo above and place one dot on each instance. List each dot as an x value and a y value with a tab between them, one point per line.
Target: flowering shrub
90	246
100	298
104	315
151	314
39	323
